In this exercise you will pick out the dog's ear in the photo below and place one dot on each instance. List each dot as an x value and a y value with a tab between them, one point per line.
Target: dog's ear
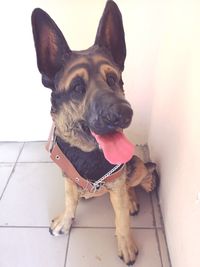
110	33
50	45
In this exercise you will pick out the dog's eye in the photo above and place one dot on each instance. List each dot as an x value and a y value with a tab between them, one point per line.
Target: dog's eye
77	88
111	79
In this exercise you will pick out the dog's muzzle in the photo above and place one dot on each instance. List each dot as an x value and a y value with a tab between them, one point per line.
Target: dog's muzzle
108	113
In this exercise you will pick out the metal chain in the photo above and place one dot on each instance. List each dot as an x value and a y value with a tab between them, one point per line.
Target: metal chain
97	184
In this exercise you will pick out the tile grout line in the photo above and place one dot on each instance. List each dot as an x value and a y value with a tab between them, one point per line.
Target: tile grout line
146	159
163	230
113	227
76	227
12	172
67	248
22	141
32	162
156	228
24	227
25	162
156	231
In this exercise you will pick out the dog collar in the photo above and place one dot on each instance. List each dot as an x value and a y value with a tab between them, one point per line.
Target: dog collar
67	167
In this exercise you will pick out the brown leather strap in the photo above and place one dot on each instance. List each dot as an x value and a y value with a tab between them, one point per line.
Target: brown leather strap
60	159
67	167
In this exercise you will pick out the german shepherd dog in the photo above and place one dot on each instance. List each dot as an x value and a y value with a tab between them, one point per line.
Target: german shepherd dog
90	111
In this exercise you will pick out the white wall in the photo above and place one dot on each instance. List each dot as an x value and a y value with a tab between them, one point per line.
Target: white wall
174	136
24	105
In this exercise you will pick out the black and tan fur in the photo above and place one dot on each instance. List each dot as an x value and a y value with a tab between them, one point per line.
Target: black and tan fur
87	95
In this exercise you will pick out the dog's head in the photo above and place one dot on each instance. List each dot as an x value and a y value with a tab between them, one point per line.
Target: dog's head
87	88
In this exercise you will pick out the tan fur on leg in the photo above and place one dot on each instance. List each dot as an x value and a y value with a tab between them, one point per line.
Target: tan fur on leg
61	224
127	249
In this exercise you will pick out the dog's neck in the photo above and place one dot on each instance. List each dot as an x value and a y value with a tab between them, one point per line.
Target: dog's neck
90	165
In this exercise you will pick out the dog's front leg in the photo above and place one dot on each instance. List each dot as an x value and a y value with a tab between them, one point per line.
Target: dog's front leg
126	247
62	224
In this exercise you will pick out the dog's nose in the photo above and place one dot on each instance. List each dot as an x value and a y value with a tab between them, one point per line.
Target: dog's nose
118	116
107	113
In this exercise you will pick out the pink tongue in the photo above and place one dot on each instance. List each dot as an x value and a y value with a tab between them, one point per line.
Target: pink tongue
116	147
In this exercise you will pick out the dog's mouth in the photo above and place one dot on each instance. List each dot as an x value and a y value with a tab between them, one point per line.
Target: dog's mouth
116	147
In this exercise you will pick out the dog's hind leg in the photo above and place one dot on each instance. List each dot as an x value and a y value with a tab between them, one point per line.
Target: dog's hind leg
133	202
127	249
62	224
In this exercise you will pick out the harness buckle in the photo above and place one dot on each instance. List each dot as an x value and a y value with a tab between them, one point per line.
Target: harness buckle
97	186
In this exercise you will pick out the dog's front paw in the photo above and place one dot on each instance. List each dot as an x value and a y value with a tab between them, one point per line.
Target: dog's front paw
61	225
127	250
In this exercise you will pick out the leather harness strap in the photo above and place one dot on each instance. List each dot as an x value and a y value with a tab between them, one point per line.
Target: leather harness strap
67	167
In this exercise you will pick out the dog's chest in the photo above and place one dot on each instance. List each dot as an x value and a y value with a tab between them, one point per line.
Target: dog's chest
90	165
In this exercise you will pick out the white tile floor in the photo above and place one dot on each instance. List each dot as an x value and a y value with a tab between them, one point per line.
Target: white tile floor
32	193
